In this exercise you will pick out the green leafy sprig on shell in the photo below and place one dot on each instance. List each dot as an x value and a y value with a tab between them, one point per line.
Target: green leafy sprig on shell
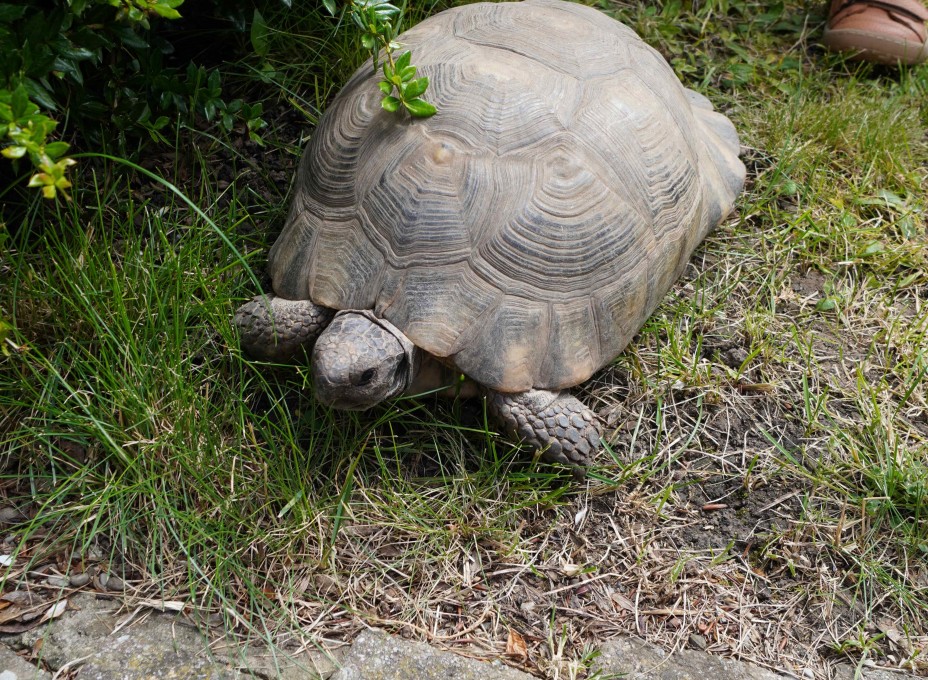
400	87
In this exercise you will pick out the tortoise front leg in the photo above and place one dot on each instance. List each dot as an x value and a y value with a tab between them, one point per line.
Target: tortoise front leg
274	328
556	423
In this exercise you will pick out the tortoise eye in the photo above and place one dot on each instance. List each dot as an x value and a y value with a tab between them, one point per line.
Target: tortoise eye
366	377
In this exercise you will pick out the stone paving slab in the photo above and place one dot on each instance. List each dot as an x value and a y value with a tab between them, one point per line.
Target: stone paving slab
15	667
378	656
634	659
155	645
91	642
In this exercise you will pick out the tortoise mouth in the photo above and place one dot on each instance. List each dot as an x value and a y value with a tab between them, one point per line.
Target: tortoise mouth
345	403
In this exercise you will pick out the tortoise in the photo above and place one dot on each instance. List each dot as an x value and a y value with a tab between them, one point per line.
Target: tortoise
520	237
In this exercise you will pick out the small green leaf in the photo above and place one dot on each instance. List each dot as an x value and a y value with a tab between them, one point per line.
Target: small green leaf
909	280
259	33
403	61
368	41
20	103
39	93
328	4
56	149
891	198
390	104
420	108
128	37
385	87
872	248
10	13
826	305
416	87
14	151
407	73
789	188
907	226
163	10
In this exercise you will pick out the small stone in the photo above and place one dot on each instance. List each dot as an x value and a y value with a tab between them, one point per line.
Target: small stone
698	641
734	357
58	581
79	580
11	515
115	584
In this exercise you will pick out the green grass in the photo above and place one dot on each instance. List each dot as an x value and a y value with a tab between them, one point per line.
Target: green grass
784	377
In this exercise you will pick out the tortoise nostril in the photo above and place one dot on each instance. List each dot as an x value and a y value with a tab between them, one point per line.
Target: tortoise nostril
366	377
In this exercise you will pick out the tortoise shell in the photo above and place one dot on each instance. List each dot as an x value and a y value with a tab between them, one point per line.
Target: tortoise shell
527	230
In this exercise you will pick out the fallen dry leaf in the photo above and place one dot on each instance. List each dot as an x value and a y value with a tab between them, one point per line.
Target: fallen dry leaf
13	612
20	597
515	646
623	602
54	611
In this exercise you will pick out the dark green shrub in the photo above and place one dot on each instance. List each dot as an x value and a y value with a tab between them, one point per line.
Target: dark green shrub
104	66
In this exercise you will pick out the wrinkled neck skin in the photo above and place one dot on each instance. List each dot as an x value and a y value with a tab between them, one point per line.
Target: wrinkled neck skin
361	360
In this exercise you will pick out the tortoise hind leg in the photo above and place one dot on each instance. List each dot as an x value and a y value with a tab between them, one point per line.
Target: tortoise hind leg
557	423
274	328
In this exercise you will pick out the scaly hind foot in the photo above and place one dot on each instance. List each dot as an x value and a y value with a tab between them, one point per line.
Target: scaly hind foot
556	423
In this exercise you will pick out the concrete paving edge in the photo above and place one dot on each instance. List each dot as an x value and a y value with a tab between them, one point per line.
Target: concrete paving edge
97	640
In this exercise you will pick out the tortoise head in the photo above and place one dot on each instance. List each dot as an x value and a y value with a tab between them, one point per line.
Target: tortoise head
360	360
